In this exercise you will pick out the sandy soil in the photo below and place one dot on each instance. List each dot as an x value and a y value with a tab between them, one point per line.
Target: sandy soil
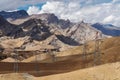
70	66
109	71
103	72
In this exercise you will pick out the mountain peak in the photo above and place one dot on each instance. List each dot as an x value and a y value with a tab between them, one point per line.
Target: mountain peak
49	17
107	29
14	14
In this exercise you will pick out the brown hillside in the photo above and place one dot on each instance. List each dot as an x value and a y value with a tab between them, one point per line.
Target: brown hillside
69	63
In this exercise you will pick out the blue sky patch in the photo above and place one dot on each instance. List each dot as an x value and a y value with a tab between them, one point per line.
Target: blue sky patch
25	7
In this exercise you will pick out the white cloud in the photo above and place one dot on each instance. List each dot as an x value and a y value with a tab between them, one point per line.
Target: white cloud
33	10
104	12
75	10
109	19
62	10
115	1
52	7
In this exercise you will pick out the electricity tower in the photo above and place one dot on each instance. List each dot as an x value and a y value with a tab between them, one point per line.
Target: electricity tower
97	53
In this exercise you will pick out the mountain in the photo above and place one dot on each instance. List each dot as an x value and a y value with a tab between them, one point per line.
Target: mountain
47	18
81	32
35	29
38	30
76	32
69	32
14	15
8	29
107	29
40	27
52	19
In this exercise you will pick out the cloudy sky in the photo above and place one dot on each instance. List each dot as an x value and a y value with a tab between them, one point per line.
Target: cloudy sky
91	11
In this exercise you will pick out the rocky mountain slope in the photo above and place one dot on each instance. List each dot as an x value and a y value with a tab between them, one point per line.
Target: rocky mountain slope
35	29
41	27
47	18
75	31
81	32
21	16
8	29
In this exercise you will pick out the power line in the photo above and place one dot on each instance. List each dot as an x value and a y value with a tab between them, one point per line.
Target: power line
97	49
84	50
36	66
16	61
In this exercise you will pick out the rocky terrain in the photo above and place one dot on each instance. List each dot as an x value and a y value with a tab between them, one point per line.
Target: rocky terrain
56	49
44	26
